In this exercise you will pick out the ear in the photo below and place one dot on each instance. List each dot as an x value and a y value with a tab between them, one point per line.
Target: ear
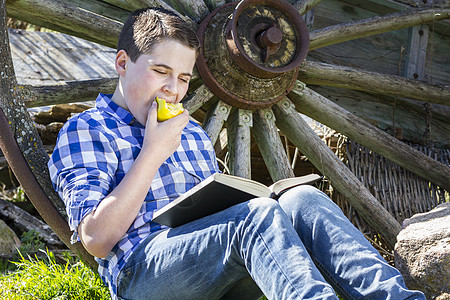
121	62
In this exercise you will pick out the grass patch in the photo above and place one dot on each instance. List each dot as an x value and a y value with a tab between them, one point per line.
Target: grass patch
45	278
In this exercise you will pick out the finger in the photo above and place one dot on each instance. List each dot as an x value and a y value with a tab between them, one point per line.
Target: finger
152	113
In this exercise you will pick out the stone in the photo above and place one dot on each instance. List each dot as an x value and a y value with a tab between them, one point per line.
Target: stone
8	240
422	252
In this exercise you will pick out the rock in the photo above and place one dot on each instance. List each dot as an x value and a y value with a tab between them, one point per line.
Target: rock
422	252
8	240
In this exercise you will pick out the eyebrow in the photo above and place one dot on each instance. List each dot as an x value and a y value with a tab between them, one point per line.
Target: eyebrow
169	68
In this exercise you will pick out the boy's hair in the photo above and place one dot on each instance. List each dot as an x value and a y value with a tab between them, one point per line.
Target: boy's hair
146	27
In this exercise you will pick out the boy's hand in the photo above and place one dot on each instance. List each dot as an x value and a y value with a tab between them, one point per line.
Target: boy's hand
162	139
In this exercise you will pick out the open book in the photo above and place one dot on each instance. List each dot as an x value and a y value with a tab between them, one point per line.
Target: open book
218	192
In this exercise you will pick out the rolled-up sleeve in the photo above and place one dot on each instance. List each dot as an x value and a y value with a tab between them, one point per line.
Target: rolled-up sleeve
82	169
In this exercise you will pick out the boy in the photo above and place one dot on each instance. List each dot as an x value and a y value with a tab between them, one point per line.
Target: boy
115	165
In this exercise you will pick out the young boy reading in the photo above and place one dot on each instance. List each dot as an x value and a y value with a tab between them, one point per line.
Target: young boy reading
115	165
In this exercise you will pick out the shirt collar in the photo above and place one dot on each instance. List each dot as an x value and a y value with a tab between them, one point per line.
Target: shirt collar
104	102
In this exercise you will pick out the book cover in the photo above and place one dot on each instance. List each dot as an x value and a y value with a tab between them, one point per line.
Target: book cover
216	193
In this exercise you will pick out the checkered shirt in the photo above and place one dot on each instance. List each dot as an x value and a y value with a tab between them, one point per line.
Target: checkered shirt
94	151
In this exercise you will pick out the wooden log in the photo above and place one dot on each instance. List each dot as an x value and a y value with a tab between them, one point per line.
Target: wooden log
67	18
26	222
303	6
197	99
215	118
379	110
67	92
327	112
124	4
196	9
323	158
316	73
238	132
135	4
270	145
371	26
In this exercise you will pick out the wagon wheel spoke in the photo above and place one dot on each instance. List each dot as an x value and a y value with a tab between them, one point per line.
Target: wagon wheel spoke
371	26
304	6
316	73
215	118
303	137
238	131
327	112
269	143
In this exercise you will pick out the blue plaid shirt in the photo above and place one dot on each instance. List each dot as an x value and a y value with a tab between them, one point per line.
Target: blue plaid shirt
94	151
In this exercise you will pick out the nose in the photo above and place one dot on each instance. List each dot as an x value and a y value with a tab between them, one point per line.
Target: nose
170	86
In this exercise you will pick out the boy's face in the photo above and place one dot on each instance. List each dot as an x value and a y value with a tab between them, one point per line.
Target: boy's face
164	72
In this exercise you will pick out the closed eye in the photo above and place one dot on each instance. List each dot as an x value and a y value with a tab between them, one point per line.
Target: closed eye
186	80
160	72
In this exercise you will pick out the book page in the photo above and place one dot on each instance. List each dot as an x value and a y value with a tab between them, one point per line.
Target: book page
247	185
284	184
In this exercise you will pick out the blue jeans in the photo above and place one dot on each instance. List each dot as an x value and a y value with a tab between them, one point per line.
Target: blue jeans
283	249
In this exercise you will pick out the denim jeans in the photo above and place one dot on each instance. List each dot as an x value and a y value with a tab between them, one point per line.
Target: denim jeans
283	249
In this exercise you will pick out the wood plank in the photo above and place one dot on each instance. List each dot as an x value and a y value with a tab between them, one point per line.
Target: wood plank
325	111
303	137
270	145
238	131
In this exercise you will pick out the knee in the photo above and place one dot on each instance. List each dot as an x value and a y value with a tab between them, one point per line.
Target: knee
301	196
262	209
305	199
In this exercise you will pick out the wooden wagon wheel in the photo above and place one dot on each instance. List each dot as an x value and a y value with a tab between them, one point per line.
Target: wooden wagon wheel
262	41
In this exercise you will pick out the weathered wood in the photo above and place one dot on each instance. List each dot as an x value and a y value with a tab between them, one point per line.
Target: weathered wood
12	103
125	4
417	53
135	4
380	111
26	222
238	131
316	73
197	99
215	118
303	137
325	111
303	6
270	145
67	92
196	9
24	138
371	26
65	17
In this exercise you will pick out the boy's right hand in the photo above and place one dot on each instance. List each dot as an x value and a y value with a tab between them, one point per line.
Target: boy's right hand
163	138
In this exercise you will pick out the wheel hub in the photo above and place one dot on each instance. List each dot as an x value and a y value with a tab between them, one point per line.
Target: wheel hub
251	51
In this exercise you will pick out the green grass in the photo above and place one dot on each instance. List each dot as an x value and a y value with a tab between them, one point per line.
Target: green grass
35	278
